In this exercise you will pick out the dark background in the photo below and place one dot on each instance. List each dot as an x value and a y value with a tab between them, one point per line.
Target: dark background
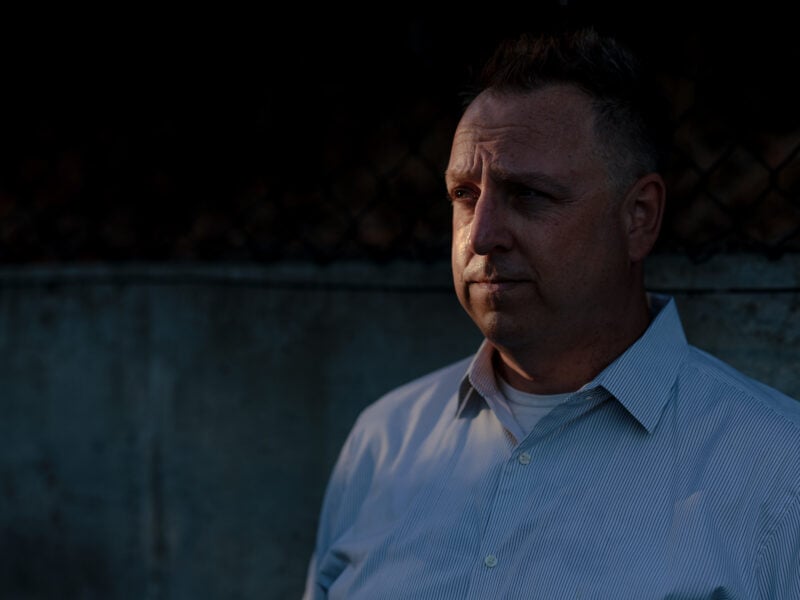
151	135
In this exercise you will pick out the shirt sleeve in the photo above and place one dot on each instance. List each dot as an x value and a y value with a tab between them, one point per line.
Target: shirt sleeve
322	567
778	569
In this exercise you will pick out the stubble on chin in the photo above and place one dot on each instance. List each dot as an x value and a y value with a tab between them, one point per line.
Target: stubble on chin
488	318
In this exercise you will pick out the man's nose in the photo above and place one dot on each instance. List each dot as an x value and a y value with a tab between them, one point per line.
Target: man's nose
490	229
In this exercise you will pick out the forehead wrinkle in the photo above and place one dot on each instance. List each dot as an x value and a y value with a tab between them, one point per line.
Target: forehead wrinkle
484	161
471	161
480	144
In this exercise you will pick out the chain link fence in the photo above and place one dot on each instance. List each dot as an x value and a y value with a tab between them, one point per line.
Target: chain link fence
333	147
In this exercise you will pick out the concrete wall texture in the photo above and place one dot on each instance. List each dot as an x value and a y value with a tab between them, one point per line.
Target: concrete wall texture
167	431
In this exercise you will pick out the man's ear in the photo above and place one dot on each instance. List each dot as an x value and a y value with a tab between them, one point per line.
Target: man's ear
644	210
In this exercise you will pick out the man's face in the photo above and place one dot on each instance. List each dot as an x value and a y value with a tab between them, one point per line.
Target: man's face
540	258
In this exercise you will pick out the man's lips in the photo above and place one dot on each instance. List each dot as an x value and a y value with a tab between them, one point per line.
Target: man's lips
496	284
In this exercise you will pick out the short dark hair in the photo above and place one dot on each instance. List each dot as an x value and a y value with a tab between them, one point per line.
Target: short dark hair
631	111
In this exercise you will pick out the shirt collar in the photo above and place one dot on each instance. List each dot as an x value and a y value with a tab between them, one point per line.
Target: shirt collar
641	378
479	382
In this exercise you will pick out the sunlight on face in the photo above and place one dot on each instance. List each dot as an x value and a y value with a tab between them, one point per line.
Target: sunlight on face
539	247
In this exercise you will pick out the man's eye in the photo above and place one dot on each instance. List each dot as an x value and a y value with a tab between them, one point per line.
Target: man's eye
530	194
462	195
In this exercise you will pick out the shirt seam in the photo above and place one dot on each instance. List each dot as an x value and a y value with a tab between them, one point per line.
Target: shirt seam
784	512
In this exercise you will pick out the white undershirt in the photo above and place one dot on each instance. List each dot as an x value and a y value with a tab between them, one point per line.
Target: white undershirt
528	408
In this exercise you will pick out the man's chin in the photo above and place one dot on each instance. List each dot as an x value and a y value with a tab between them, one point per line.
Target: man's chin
500	329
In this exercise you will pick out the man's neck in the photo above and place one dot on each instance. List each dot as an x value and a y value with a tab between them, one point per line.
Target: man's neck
550	370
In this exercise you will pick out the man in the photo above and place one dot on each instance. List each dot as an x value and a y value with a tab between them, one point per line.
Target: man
586	450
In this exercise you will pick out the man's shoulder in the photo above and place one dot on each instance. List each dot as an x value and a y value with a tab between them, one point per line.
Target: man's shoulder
744	392
430	390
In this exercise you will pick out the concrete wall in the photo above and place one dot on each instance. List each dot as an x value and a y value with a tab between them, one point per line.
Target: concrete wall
166	431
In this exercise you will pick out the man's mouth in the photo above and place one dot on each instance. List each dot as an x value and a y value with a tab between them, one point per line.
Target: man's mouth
496	284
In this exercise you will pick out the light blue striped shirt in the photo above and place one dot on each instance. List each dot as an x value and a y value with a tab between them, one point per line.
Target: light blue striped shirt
670	475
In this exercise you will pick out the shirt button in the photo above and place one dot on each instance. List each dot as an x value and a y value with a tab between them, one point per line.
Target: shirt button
490	560
524	458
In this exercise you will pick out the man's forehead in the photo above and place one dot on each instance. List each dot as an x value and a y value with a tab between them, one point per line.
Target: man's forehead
551	110
507	156
513	133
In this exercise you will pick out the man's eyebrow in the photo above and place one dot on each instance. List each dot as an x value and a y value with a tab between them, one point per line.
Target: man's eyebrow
527	178
451	173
